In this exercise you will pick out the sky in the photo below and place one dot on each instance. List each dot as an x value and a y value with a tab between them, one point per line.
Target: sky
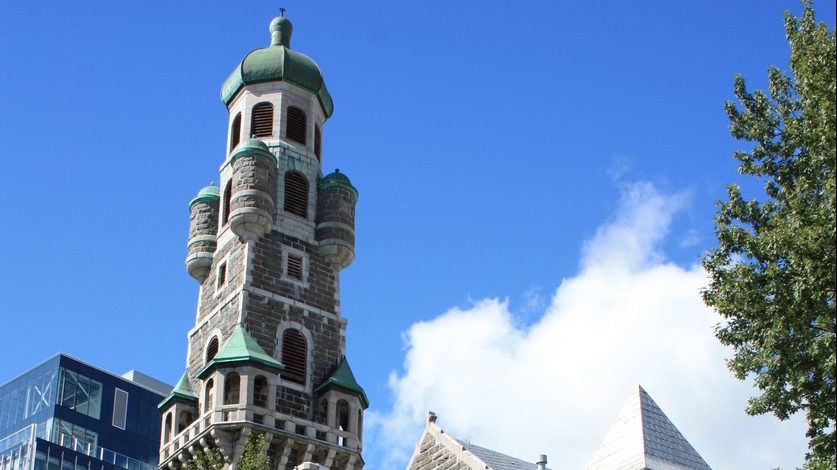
537	183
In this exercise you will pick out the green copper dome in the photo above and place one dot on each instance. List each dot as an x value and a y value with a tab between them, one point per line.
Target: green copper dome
253	147
278	62
208	193
336	179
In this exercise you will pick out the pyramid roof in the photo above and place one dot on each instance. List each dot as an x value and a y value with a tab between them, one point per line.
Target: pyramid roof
182	391
343	378
241	348
644	438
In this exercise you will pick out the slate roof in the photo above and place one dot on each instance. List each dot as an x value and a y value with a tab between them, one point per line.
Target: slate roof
496	460
643	437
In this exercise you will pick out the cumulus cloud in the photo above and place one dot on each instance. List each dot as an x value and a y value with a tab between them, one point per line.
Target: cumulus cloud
627	317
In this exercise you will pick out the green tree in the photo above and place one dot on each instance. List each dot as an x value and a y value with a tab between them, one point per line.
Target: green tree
209	459
254	457
772	276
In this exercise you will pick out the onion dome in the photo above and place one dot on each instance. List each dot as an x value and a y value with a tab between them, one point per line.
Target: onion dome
278	63
208	193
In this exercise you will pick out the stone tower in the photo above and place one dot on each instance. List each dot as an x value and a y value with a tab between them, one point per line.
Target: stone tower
268	350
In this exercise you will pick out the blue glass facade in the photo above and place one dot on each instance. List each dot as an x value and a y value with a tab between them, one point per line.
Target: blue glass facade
65	414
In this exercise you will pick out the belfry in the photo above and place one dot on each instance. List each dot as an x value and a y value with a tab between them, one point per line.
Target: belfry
267	353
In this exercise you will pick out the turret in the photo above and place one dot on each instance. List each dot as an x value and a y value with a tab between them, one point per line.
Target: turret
253	184
203	229
336	199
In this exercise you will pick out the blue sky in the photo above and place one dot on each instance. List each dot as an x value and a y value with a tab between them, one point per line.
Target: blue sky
494	147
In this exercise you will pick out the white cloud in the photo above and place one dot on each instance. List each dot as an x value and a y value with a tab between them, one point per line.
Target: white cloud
627	317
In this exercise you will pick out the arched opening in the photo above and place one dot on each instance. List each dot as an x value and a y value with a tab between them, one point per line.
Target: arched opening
360	425
342	418
296	126
296	193
225	208
211	349
294	356
318	143
232	387
184	419
209	396
235	132
261	122
260	391
167	428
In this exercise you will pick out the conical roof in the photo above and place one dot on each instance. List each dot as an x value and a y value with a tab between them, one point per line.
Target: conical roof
343	378
644	438
241	348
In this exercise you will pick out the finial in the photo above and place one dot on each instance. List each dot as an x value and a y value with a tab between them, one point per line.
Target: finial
282	12
431	417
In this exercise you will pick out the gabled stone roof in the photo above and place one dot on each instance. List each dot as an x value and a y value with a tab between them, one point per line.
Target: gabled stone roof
437	450
644	438
495	460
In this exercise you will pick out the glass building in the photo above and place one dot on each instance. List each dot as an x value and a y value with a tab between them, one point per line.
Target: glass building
65	414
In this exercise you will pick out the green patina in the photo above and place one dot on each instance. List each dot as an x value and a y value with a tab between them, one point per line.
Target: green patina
182	391
278	63
207	194
253	147
344	379
337	180
240	348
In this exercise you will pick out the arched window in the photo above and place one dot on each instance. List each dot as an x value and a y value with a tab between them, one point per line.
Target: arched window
294	356
211	349
209	396
184	419
318	143
225	209
296	127
260	392
342	419
296	193
167	428
232	386
261	123
235	132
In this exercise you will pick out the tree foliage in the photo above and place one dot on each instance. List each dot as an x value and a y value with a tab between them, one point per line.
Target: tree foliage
209	459
254	457
772	276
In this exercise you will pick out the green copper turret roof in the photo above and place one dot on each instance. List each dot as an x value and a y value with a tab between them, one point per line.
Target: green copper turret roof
336	179
253	147
241	348
344	379
182	391
207	193
278	62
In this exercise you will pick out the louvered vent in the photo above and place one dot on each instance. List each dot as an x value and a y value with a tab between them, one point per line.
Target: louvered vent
235	132
212	349
318	143
294	267
294	356
225	210
120	408
296	127
262	123
296	193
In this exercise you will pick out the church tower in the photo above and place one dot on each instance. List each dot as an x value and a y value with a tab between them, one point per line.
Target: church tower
267	353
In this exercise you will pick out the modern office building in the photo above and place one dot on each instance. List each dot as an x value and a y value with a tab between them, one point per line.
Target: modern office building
65	414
